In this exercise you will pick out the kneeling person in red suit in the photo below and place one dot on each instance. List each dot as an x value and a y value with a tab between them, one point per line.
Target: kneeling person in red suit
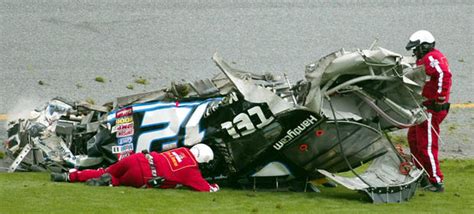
163	170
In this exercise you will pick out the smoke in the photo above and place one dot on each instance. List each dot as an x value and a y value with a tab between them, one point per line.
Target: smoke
24	106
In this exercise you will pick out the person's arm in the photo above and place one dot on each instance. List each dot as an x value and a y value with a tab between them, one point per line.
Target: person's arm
437	67
195	180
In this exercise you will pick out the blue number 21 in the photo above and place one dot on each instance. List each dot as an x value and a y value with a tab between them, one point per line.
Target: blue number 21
173	118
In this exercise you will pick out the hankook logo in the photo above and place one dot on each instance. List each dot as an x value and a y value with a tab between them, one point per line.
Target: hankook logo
293	133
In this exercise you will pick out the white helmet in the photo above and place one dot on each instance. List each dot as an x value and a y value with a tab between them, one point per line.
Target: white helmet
202	152
418	38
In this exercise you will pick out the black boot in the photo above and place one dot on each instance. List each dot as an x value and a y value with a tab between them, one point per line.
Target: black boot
59	177
424	182
435	187
103	180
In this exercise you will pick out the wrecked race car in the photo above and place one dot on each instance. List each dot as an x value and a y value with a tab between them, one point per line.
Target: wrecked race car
261	127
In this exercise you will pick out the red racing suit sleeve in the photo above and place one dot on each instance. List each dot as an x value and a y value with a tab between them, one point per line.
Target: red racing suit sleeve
198	183
193	179
438	87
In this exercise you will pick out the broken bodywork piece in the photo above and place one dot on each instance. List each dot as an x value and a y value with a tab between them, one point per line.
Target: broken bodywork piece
258	125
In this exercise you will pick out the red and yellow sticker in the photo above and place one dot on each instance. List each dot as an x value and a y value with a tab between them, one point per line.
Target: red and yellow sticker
179	159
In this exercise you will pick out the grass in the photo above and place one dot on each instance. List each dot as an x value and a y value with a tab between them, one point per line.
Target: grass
33	192
398	139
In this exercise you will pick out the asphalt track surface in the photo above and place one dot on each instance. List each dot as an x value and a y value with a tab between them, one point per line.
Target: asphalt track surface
52	48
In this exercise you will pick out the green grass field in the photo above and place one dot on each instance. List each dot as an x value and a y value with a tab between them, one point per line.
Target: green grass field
34	193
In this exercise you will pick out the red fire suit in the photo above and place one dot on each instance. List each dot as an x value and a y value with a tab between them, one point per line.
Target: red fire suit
423	138
177	166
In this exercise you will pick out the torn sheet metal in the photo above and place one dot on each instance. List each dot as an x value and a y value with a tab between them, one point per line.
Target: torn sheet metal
382	181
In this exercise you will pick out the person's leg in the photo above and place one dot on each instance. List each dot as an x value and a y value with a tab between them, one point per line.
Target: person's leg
412	143
84	175
433	147
416	152
118	169
115	173
428	146
422	132
130	171
112	174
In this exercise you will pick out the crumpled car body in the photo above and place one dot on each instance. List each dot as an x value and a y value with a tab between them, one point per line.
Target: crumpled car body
259	126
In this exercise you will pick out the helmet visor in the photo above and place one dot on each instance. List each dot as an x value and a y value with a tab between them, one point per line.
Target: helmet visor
412	44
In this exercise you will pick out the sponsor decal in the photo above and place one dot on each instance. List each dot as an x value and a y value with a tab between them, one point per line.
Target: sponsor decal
179	159
125	133
125	130
124	120
124	112
120	157
125	126
122	149
175	158
124	140
124	154
295	132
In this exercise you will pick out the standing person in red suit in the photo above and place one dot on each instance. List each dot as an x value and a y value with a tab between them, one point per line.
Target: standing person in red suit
424	138
161	170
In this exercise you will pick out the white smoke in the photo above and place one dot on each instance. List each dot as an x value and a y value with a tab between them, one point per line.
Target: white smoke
24	106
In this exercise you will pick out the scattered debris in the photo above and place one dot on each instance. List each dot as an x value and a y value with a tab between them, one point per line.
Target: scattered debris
142	81
100	79
29	67
452	128
90	101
